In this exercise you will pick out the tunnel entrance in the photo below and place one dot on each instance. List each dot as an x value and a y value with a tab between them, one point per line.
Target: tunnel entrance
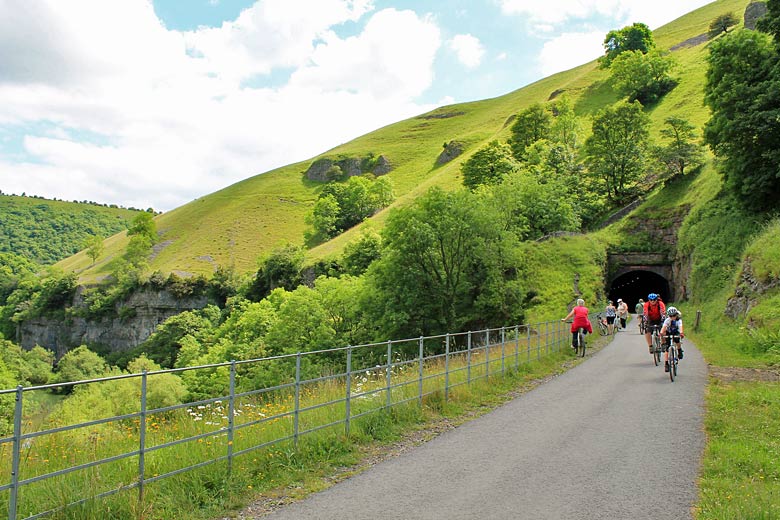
635	275
633	285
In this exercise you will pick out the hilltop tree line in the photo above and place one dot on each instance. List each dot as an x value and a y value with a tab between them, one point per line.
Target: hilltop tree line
450	260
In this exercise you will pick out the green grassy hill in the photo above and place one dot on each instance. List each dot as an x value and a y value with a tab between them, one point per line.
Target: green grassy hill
47	231
237	224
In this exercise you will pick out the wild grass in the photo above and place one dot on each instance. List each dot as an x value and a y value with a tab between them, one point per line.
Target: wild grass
741	472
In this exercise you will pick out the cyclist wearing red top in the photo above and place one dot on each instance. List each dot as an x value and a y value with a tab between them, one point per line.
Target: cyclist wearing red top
580	313
654	313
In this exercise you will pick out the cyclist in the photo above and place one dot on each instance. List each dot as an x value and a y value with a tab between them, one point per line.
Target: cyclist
580	313
673	326
653	313
622	311
639	310
610	312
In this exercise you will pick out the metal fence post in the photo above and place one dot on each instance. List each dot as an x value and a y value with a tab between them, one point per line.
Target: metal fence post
420	372
528	342
297	412
17	451
547	337
487	354
538	340
388	374
468	358
503	345
231	415
517	347
142	443
447	367
349	390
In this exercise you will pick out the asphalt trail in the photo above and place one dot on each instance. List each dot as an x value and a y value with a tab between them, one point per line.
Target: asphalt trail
612	438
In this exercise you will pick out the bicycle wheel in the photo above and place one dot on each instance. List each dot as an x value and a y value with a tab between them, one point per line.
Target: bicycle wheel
656	357
602	328
672	363
581	340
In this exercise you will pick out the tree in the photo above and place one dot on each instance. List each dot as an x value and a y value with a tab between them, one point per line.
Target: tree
531	125
359	253
281	268
143	225
79	364
681	152
743	91
644	77
488	165
770	23
721	24
94	246
617	147
636	37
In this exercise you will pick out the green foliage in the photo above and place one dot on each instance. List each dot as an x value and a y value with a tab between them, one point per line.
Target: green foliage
28	367
79	364
643	76
532	124
342	205
143	225
94	246
45	231
489	165
764	253
635	37
770	23
743	91
617	149
281	268
359	253
722	24
681	153
441	256
13	269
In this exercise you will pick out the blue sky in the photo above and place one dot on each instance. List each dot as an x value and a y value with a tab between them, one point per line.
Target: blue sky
155	103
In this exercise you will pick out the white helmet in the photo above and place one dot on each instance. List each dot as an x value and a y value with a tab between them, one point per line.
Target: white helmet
672	311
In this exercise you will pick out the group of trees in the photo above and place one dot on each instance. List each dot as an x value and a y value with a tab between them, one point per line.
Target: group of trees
342	205
743	91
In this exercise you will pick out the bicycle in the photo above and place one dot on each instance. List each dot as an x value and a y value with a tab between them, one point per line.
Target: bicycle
642	325
580	351
672	356
655	346
602	324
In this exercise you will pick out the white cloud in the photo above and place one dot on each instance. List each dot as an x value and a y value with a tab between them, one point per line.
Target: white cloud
468	49
570	50
556	12
166	117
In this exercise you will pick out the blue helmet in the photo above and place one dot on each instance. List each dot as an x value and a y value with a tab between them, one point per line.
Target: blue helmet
652	296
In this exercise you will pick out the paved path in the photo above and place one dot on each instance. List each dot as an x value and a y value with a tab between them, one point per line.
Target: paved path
612	438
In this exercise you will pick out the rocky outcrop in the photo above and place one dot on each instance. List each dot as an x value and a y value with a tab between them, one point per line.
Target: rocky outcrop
136	318
450	152
341	168
749	289
754	12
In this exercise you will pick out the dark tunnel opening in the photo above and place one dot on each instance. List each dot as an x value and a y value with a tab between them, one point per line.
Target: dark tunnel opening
634	285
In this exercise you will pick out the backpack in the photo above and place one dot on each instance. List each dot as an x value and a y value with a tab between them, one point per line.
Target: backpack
654	311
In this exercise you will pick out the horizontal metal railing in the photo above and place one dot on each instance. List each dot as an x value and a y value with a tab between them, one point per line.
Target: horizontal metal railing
412	370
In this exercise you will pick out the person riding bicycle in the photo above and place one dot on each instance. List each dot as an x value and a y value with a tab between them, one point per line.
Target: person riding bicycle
639	310
672	327
611	313
622	312
581	321
653	312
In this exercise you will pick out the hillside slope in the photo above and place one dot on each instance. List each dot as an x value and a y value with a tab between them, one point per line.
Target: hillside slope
234	226
47	231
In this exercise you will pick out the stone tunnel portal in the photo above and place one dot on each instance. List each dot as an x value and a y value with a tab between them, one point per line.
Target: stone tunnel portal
633	285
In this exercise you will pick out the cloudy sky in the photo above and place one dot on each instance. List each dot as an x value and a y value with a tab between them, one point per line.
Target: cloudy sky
154	103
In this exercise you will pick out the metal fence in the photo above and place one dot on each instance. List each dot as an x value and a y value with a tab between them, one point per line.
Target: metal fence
47	469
